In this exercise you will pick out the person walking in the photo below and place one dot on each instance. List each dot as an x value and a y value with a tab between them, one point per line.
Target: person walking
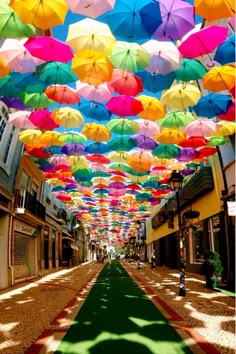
153	260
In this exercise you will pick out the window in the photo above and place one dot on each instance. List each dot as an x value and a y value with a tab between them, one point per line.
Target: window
214	233
8	145
196	240
25	181
35	190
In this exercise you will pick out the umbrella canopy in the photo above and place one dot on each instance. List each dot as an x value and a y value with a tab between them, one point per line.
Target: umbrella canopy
201	127
126	83
41	13
171	136
29	136
11	25
62	94
49	49
20	119
153	109
92	67
181	97
36	100
155	82
177	20
225	52
212	105
166	151
193	141
219	79
144	142
67	117
94	9
124	105
95	110
203	41
92	35
96	132
140	160
229	115
190	69
214	10
164	56
56	73
99	93
224	129
122	126
123	143
72	137
129	56
73	149
147	127
176	119
43	119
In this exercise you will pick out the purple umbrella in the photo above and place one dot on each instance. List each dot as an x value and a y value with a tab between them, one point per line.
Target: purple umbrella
187	154
117	185
177	20
14	102
73	149
144	142
187	172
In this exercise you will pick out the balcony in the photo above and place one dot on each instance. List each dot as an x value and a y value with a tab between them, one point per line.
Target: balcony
201	183
25	202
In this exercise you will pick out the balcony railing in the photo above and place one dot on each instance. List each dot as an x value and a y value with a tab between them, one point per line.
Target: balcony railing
201	183
25	200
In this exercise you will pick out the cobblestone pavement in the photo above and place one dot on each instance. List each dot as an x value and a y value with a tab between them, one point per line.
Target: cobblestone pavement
36	315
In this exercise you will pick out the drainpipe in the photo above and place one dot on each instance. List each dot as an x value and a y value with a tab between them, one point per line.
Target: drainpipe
11	242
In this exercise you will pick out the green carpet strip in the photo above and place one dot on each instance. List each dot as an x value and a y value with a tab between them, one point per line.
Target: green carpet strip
118	317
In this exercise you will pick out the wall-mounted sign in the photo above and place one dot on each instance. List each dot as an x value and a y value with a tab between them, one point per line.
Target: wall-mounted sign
24	229
231	208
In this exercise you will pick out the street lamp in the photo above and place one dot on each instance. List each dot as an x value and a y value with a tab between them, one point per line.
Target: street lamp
176	181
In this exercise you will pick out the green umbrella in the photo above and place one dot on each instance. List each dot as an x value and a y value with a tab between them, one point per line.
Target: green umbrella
100	174
123	143
82	172
56	73
190	69
166	151
72	137
143	196
11	26
216	140
36	100
176	119
122	126
119	167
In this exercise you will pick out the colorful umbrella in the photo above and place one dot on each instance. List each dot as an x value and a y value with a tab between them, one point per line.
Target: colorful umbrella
29	136
99	93
97	148
164	56
193	141
171	136
68	117
4	69
166	151
212	105
229	115
176	119
181	97
14	102
147	127
124	105
96	132
216	140
28	82
126	83
92	67
20	119
36	100
190	69
129	56
56	73
94	9
11	25
41	13
144	142
73	149
201	127
62	94
153	109
177	20
224	129
214	10
43	119
123	143
203	41
219	79
155	82
50	138
122	126
92	35
186	155
48	49
140	160
225	53
72	137
96	111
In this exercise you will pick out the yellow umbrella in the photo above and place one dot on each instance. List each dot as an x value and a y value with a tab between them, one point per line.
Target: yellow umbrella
137	179
30	136
100	180
225	128
90	34
171	136
92	67
140	160
153	108
120	156
219	79
50	138
181	96
163	162
68	117
55	182
213	10
96	132
41	13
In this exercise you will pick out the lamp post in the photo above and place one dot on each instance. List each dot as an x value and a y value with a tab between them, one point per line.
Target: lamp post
176	181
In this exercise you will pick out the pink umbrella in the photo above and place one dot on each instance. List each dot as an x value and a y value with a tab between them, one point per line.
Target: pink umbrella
49	49
91	8
124	105
20	119
201	127
43	119
147	127
203	41
177	20
100	93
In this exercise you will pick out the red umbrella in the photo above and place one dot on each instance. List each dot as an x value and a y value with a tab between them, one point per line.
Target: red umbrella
37	152
207	151
193	141
101	159
124	106
229	115
43	119
126	83
62	94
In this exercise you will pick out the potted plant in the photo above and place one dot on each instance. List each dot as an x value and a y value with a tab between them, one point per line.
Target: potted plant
212	269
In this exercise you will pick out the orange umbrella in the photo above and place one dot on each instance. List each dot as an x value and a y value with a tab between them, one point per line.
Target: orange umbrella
92	67
219	79
153	109
214	10
140	160
96	132
50	138
171	136
62	94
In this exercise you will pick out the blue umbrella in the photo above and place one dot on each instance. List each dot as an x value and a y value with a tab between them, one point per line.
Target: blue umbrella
225	52
8	87
95	110
97	148
151	17
212	105
156	82
54	150
125	20
28	82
